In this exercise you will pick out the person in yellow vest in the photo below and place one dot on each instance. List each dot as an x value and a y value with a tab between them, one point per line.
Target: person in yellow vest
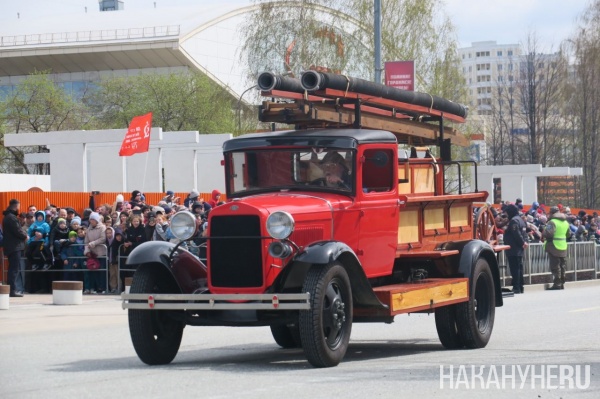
556	234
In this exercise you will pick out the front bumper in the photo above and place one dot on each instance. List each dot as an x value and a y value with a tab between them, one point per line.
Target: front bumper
216	301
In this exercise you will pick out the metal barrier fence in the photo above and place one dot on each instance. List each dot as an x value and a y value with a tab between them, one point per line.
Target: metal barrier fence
582	257
92	35
26	273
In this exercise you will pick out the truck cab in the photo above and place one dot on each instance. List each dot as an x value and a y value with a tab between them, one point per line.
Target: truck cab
323	227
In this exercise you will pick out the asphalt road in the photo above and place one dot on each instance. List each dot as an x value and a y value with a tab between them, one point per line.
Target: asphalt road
84	351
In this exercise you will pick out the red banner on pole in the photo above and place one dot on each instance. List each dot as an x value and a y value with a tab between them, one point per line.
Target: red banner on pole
137	139
400	74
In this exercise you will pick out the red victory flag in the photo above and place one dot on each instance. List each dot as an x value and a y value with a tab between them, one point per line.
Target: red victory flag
137	138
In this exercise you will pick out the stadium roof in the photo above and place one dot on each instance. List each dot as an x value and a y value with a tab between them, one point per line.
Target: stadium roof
67	36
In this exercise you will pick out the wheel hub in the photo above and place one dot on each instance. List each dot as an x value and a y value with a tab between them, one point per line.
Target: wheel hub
339	316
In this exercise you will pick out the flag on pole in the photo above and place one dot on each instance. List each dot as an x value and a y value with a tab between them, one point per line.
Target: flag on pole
137	139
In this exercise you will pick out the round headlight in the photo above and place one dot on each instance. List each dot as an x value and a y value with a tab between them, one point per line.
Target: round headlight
183	225
280	225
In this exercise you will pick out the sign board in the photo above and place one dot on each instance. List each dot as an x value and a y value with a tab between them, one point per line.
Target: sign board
400	74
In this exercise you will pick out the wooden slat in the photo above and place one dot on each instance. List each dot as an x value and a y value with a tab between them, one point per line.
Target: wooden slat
313	114
428	254
426	294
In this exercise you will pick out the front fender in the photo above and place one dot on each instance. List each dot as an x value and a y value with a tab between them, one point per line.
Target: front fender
474	250
322	253
151	252
185	269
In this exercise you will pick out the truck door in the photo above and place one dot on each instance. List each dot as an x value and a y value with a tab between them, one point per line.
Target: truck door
378	203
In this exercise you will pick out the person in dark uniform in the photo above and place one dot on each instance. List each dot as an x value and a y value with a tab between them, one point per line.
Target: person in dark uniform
14	244
515	236
556	234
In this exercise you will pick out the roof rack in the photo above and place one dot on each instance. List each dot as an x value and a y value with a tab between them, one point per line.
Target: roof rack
412	123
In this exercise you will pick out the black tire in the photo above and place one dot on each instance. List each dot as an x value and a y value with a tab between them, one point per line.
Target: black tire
325	328
286	336
475	318
445	324
155	334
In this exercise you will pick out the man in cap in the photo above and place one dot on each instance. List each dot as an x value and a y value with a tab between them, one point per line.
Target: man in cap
170	198
556	234
13	243
519	204
515	236
191	198
335	171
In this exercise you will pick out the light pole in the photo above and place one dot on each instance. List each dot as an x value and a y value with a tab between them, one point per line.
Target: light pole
377	31
239	108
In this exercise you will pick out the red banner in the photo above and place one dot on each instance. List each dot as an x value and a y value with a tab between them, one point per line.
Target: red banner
137	138
400	74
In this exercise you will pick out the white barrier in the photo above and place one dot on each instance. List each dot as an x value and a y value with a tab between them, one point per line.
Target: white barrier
4	295
67	292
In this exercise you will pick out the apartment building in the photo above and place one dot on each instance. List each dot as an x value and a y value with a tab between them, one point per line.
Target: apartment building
485	66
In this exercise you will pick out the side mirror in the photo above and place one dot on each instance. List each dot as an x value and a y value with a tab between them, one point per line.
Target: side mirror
380	159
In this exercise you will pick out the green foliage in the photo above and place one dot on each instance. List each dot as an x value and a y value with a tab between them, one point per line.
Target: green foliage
179	101
38	105
293	36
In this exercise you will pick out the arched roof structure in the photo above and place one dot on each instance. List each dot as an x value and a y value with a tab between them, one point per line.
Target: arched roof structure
77	43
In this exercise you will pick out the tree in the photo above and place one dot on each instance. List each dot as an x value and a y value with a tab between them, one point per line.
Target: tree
178	101
585	103
541	94
293	36
39	105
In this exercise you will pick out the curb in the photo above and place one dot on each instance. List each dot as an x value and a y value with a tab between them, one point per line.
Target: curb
568	285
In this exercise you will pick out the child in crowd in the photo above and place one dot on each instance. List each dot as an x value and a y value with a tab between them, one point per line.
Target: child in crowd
75	224
72	256
37	251
59	236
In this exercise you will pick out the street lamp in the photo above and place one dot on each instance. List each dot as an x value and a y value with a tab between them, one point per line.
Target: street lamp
239	109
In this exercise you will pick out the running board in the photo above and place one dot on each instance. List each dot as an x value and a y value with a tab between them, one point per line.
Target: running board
422	295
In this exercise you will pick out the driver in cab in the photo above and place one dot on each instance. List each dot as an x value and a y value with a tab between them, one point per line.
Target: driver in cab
335	172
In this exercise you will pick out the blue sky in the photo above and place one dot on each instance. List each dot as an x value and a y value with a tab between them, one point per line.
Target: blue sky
510	21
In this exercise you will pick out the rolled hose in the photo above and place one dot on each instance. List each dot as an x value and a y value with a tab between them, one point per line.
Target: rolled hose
268	81
313	81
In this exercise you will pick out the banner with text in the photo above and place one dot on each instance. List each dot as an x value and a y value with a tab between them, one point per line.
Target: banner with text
137	139
400	74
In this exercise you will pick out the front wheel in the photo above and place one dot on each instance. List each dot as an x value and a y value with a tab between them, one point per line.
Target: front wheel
445	324
475	318
325	328
155	334
286	336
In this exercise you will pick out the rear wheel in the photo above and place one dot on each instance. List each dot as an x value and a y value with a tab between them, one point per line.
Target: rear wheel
155	334
325	328
475	318
287	336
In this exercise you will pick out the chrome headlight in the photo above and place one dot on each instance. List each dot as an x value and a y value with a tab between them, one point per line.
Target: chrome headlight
183	225
280	225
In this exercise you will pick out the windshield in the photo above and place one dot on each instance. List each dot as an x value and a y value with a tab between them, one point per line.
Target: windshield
315	168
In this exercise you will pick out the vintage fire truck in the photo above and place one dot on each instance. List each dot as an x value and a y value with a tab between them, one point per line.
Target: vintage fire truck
349	218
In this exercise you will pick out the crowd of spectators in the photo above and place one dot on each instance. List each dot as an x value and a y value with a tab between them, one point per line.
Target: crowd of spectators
584	226
64	245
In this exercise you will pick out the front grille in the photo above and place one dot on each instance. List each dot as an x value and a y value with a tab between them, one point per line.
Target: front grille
235	251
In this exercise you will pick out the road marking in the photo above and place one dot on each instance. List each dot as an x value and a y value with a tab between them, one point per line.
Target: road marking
585	309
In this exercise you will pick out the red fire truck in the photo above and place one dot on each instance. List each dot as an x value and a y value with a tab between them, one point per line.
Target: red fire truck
349	218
